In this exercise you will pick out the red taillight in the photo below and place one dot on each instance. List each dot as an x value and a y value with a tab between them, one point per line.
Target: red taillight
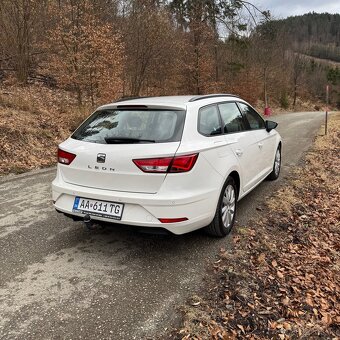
172	220
183	163
158	165
65	157
168	164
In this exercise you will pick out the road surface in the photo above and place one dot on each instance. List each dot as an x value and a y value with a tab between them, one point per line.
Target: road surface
60	281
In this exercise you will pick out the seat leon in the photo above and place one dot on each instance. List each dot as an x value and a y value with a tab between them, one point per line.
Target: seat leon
180	163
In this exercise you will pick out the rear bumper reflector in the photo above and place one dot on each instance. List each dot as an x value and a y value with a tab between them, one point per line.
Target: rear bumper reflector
172	220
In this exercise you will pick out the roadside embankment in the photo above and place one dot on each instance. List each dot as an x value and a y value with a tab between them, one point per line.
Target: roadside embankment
281	278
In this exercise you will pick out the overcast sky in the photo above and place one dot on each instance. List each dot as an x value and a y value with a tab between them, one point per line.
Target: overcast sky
284	8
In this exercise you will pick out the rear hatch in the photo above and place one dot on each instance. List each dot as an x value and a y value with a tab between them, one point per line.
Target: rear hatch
108	142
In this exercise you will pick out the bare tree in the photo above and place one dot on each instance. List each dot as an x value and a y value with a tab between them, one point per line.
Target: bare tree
19	20
298	65
86	55
150	40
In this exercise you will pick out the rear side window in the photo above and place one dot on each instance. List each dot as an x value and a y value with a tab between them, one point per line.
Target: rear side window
254	119
231	117
209	123
121	126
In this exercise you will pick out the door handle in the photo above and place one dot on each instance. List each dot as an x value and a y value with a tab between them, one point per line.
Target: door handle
239	152
260	145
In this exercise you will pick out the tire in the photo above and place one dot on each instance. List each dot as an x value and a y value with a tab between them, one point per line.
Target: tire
276	166
224	217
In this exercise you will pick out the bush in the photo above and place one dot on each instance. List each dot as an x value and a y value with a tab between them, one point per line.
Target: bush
284	103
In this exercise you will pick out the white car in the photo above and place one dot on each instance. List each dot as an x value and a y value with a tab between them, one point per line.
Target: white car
180	163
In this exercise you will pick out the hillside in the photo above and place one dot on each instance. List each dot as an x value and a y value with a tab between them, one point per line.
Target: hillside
33	121
317	35
309	48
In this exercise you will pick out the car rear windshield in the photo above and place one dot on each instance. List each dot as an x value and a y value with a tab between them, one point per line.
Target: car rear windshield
125	126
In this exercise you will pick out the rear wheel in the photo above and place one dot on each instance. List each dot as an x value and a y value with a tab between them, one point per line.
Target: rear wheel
224	217
276	166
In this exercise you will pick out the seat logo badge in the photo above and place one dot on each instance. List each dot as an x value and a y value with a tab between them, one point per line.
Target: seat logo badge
101	158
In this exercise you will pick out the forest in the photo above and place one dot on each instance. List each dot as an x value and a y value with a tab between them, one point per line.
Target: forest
107	49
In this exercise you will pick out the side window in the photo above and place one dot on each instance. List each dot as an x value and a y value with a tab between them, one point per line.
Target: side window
231	117
209	123
254	119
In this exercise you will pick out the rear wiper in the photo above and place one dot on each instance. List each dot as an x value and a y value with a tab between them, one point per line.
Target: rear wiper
122	140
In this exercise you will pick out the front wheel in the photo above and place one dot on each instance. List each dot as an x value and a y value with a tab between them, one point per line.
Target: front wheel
225	214
276	166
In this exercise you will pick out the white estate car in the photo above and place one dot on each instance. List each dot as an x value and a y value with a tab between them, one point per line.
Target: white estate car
179	163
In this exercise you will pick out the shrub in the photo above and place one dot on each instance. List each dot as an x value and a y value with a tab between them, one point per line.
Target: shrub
284	103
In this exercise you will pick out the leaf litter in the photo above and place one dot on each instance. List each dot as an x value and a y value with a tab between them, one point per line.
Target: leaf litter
281	277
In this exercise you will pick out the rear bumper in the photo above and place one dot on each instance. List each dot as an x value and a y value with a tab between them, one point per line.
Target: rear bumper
145	209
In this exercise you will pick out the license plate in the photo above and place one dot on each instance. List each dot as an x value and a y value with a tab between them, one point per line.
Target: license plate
98	208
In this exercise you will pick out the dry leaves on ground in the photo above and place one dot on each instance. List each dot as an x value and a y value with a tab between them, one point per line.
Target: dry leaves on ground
281	279
33	121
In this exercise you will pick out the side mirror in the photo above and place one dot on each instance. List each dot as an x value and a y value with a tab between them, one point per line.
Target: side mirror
270	125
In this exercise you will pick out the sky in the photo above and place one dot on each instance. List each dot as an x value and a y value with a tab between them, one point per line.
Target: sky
284	8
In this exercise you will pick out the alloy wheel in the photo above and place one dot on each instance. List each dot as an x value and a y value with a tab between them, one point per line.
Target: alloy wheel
228	206
277	162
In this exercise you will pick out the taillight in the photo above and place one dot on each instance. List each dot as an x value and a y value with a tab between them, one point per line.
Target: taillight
183	163
65	157
168	164
158	165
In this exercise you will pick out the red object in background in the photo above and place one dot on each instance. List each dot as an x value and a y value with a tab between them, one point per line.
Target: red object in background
267	111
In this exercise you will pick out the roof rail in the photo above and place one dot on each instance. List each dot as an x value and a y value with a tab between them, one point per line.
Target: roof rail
207	96
123	99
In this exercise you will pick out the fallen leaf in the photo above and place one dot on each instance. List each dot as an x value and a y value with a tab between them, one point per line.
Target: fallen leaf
273	324
287	326
326	319
261	258
241	328
285	301
309	301
279	274
243	314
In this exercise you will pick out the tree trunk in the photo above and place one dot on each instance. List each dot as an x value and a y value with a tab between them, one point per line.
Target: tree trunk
197	72
216	63
265	87
23	41
295	92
